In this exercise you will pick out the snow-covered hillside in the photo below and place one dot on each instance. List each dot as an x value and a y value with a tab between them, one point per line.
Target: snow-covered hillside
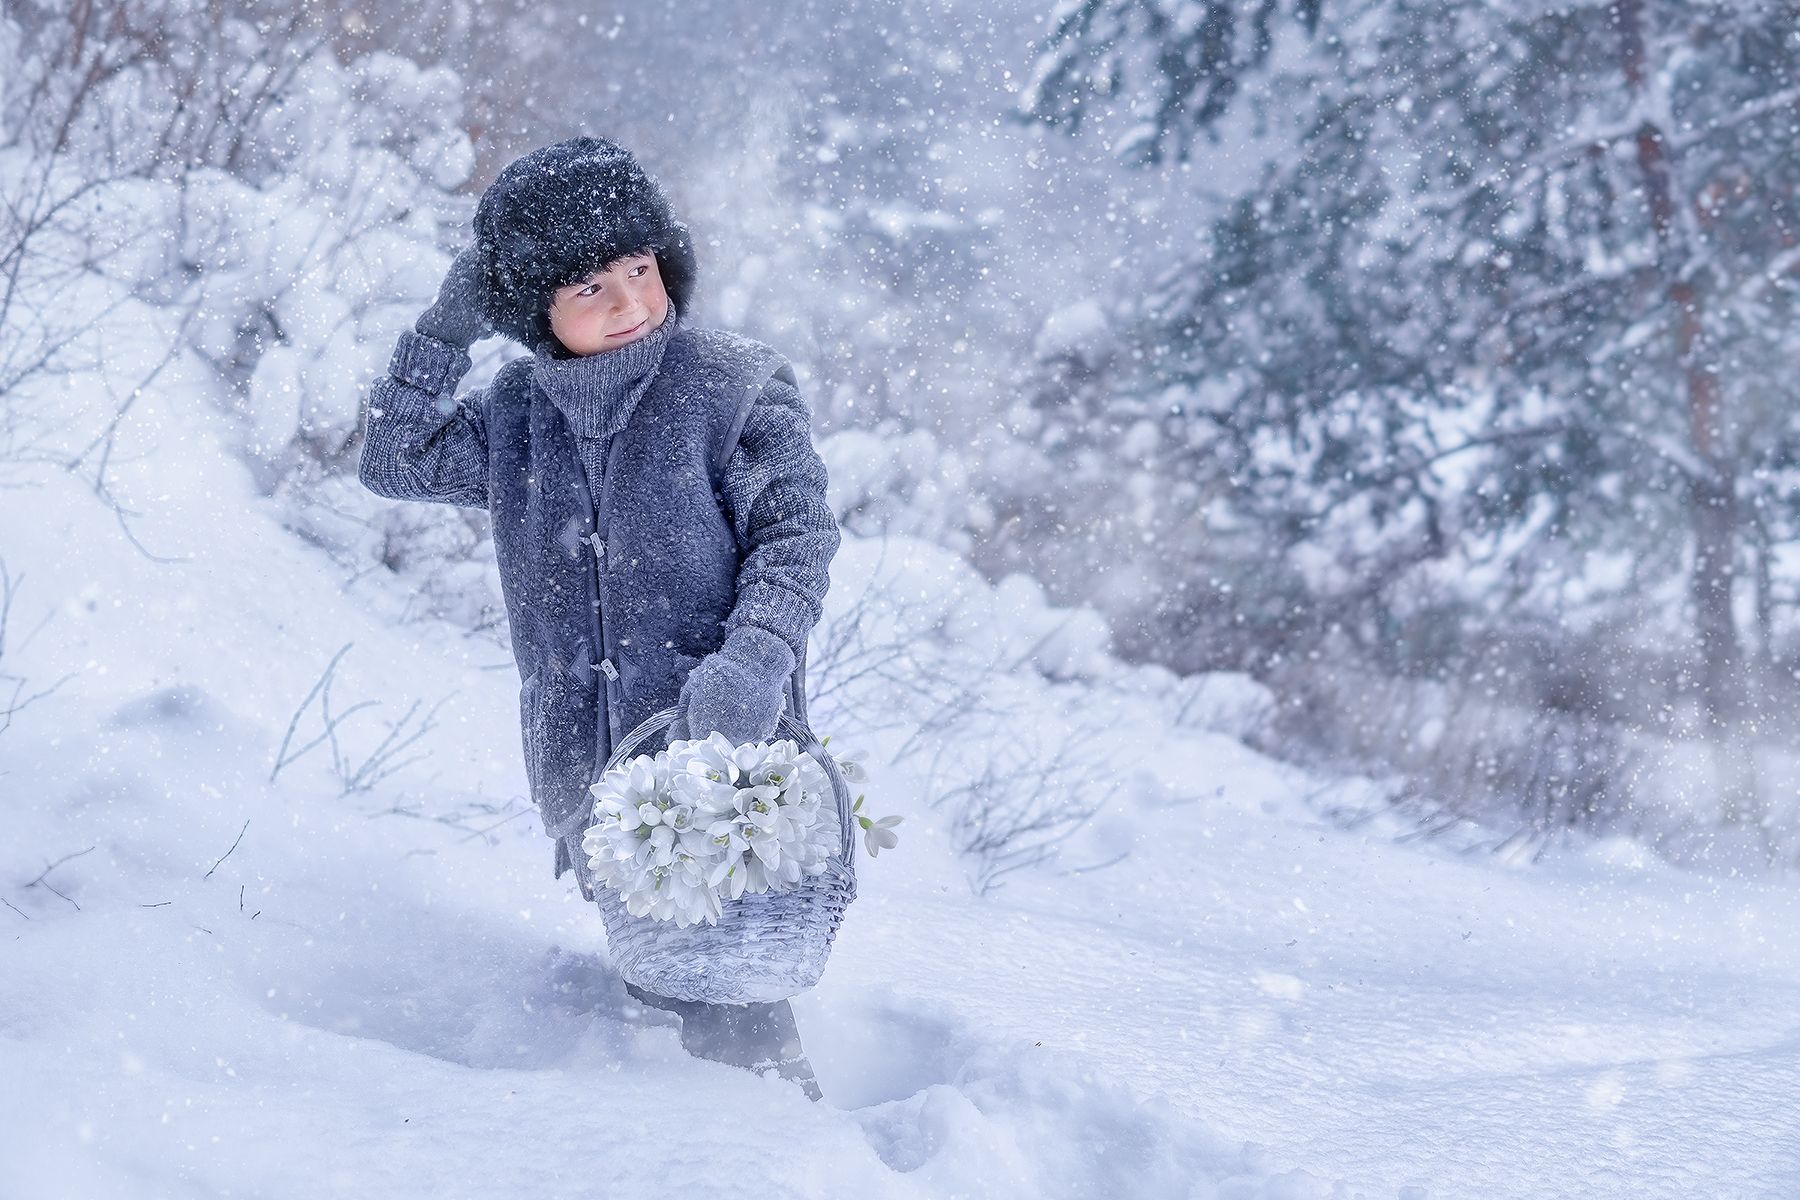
227	986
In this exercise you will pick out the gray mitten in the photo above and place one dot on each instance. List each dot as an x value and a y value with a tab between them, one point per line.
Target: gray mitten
738	689
456	316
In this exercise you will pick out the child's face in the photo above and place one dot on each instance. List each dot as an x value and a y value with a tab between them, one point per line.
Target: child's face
610	308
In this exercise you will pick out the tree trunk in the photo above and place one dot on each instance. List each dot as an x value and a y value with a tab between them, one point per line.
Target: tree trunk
1712	492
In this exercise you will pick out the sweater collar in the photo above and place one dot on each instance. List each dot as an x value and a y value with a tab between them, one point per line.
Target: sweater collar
597	392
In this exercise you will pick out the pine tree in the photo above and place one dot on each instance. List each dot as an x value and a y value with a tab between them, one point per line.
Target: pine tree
1512	295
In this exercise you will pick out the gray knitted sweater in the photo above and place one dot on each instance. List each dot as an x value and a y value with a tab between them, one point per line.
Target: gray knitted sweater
596	392
424	442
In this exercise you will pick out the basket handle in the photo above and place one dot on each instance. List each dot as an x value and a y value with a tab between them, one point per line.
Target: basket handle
657	720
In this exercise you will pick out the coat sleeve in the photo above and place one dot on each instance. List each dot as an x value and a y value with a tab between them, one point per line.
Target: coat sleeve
421	441
774	491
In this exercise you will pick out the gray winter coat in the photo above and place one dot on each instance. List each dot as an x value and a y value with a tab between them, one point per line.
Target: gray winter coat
711	514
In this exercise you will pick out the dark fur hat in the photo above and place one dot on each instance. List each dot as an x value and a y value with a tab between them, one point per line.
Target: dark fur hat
557	215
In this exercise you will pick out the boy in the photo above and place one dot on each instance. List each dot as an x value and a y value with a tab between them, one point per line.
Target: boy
659	510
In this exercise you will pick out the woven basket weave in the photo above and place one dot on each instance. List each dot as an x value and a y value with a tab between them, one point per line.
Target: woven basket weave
766	946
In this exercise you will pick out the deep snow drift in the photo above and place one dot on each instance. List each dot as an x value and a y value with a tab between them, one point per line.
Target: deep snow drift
244	988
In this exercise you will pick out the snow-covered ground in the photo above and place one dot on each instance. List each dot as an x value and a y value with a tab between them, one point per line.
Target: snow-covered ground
249	988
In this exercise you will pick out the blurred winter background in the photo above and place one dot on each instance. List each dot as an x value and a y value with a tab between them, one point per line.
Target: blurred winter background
1321	482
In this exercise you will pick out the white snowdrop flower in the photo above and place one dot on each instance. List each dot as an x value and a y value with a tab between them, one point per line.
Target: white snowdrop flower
725	834
755	879
765	845
714	759
615	809
851	765
879	834
760	811
729	878
696	789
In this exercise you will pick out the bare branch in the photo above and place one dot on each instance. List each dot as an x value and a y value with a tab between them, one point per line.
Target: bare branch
227	854
43	880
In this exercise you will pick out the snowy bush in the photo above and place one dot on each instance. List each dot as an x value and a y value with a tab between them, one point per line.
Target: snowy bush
903	481
308	271
240	174
198	189
1228	702
972	666
443	554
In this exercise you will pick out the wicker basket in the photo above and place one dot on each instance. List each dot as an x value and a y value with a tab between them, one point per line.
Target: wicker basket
766	946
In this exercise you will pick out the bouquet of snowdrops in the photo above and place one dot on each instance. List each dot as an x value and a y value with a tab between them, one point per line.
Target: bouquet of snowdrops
679	832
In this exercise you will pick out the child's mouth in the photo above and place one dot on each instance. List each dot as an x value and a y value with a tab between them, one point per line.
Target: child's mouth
633	329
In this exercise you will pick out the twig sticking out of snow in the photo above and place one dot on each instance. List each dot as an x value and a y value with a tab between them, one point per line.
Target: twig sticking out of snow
384	760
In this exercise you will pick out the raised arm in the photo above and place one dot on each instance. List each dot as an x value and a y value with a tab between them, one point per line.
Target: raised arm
421	441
